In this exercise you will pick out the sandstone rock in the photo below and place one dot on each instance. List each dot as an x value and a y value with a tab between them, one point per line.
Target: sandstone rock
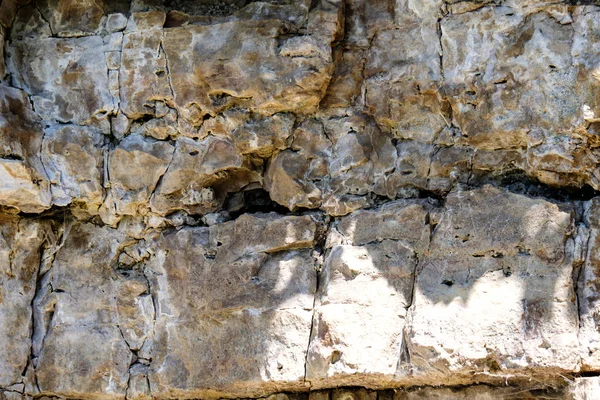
507	99
201	84
68	18
345	85
200	175
286	181
287	199
143	75
401	84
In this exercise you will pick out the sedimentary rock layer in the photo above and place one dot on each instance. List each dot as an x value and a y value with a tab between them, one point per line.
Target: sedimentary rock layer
204	199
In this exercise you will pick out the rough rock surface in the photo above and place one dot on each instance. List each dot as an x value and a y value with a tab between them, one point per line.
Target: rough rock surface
316	200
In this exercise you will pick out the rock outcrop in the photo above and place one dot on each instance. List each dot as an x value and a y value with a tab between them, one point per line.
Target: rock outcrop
318	200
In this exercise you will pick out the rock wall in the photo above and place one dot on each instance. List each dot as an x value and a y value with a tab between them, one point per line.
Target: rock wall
312	199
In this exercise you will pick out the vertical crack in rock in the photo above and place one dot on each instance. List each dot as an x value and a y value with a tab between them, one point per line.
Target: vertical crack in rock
42	307
133	354
167	67
43	17
440	33
319	257
151	335
160	179
582	239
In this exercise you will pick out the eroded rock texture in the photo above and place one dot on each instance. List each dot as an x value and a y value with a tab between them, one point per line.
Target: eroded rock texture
284	199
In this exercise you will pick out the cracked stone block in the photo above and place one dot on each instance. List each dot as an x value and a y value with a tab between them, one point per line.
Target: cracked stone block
73	160
518	79
222	74
589	279
365	289
332	164
90	315
200	175
263	136
66	78
345	85
135	168
251	133
403	72
23	183
21	242
234	307
448	166
287	184
411	164
203	70
143	74
19	188
495	292
72	18
555	159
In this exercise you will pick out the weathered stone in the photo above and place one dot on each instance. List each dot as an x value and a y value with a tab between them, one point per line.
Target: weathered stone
199	348
69	18
23	182
403	72
286	181
200	175
510	273
232	198
73	160
365	288
143	74
116	22
135	168
67	78
219	74
496	101
21	243
90	317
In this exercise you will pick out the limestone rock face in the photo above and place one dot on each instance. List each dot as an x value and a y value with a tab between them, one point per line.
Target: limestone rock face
510	273
21	251
366	287
266	266
299	200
